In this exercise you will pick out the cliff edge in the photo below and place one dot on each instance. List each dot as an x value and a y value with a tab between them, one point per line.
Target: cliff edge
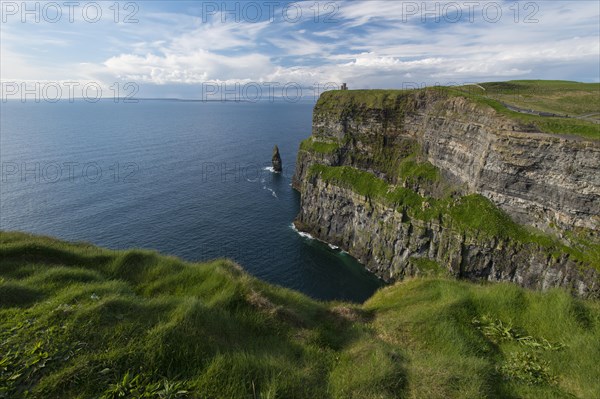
443	181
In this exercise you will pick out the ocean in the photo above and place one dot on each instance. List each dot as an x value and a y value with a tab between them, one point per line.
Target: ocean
189	179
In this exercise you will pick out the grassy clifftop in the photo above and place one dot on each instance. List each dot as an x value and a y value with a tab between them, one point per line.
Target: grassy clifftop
81	321
575	106
559	97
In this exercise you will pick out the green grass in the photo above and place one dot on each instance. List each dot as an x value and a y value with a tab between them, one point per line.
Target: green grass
343	100
417	172
477	213
472	215
436	320
558	97
318	146
428	268
77	321
473	212
366	184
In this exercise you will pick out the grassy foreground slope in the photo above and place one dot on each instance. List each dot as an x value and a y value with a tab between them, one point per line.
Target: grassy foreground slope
77	321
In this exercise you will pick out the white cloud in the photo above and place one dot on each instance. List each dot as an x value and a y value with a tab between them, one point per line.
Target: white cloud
197	67
372	44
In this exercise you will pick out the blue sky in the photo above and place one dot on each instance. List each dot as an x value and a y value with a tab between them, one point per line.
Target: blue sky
169	49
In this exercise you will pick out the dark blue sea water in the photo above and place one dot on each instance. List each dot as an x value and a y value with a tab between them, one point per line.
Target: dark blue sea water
184	178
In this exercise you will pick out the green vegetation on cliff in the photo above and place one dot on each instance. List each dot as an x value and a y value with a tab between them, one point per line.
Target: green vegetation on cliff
77	321
366	184
471	214
320	147
416	172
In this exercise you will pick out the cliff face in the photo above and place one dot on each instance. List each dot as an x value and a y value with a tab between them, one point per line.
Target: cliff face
537	178
441	148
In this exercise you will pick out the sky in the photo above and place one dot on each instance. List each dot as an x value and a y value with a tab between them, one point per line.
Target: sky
258	49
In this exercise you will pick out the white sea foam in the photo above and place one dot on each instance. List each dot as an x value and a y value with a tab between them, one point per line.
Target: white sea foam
306	235
301	233
273	193
270	169
310	237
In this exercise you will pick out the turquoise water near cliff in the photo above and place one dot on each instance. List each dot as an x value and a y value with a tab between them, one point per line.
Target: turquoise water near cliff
189	179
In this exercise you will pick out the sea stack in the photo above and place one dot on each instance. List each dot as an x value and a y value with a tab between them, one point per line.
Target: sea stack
276	160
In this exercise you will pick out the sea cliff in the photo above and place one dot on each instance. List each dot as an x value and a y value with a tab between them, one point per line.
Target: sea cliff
434	181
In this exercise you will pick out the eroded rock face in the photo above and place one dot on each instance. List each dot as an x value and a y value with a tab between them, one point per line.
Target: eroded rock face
276	160
385	240
547	181
538	179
